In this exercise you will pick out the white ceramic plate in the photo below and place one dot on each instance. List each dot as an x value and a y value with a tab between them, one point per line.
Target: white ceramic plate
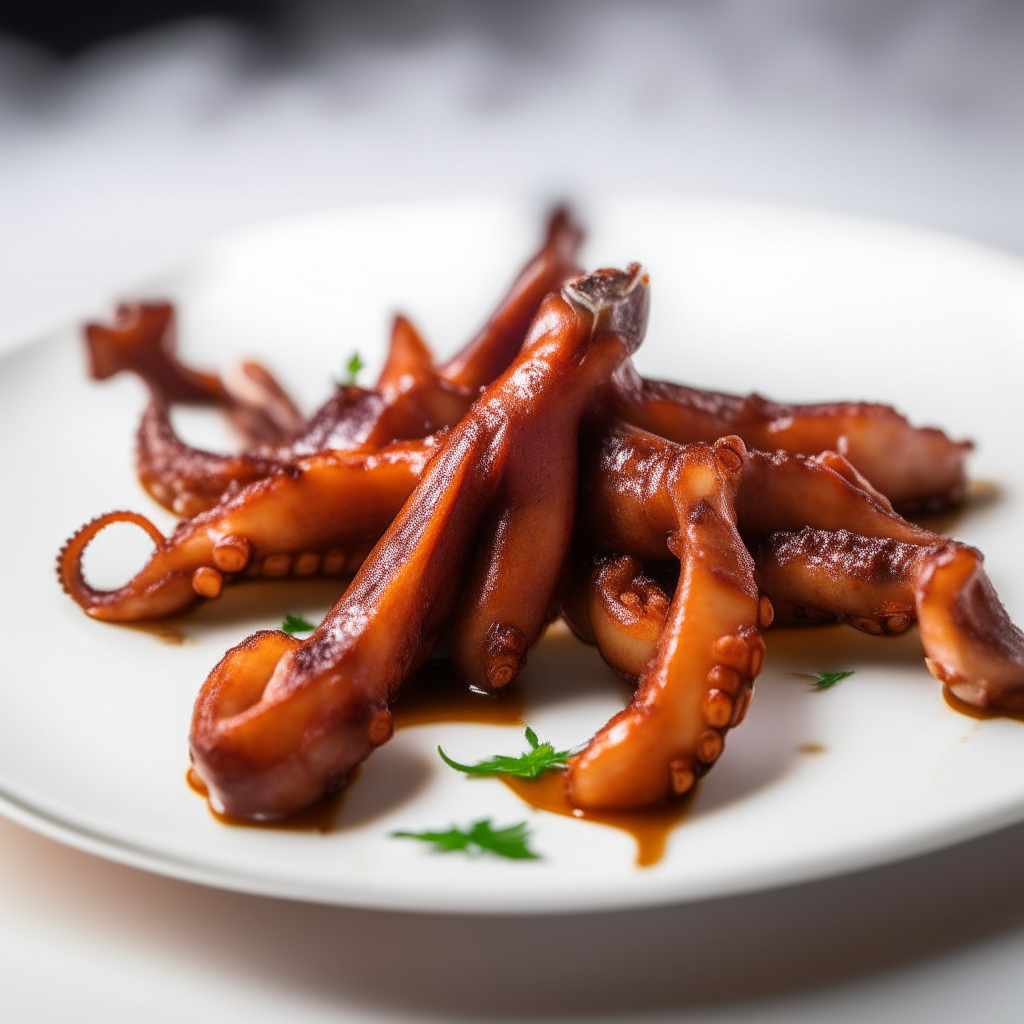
94	718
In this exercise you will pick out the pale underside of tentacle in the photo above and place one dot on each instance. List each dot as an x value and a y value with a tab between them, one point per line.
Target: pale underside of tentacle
697	681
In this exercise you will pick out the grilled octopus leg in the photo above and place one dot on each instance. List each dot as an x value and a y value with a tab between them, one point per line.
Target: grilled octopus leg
698	682
883	585
413	397
828	547
141	341
278	722
285	524
918	468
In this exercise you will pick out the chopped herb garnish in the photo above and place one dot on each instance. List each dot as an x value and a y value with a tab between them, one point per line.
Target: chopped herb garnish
826	680
511	842
296	624
355	364
529	765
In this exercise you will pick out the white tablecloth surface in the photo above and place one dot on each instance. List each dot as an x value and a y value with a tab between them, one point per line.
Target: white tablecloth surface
130	155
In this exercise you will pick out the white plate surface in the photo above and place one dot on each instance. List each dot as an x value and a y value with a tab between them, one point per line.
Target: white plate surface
94	718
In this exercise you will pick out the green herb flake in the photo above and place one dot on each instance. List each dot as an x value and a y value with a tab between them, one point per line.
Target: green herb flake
354	365
826	680
296	624
530	765
481	837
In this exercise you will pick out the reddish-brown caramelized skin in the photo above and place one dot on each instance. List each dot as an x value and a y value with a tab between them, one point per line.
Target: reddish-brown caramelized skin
412	399
884	585
686	545
320	515
827	548
695	680
142	340
917	468
279	722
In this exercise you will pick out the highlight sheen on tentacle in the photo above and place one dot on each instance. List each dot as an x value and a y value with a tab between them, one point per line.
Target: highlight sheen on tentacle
413	397
827	549
269	738
918	468
698	681
321	515
883	585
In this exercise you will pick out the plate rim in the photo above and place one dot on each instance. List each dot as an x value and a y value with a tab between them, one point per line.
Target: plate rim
37	818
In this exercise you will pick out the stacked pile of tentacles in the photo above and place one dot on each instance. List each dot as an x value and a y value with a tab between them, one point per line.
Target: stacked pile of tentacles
535	473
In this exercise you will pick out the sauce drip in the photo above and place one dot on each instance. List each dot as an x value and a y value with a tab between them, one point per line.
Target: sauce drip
318	818
163	630
649	827
435	694
981	713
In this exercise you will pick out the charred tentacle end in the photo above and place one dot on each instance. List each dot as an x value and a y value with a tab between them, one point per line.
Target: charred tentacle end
619	300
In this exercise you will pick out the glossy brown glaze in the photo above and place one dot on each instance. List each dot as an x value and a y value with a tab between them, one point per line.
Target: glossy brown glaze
681	553
982	714
320	817
696	682
436	694
650	827
279	721
884	585
828	547
917	468
412	398
287	524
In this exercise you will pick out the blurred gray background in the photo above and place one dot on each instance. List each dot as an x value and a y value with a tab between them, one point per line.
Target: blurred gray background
129	133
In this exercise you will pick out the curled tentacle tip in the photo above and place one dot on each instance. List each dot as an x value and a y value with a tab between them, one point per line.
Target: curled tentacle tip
69	558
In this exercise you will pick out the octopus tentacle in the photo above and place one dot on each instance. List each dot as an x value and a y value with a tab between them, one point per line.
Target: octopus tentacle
885	585
412	397
142	341
495	345
320	515
825	550
185	479
698	683
125	602
620	608
917	468
277	724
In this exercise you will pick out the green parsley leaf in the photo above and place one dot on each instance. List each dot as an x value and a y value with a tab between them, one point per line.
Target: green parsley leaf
826	680
355	364
530	765
481	837
296	624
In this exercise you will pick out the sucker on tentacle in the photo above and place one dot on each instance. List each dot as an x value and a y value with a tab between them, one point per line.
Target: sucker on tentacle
697	682
321	515
884	585
279	722
826	550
